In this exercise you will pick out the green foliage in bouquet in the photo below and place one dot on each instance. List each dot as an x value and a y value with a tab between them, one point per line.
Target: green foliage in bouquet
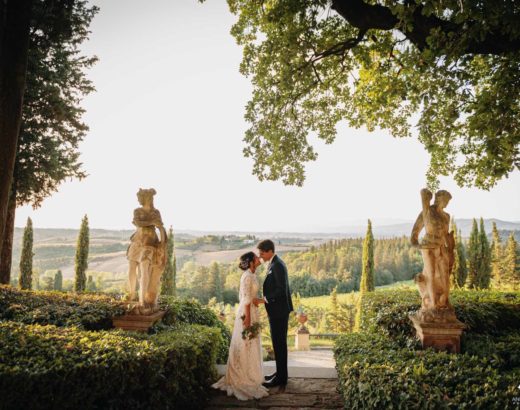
251	331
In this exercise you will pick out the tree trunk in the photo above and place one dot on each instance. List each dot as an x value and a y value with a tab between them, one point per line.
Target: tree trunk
6	255
14	44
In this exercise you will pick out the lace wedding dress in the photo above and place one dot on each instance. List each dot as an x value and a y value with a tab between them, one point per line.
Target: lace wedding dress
244	375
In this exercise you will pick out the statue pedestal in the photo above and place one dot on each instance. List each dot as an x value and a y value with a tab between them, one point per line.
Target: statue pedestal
302	341
443	336
137	323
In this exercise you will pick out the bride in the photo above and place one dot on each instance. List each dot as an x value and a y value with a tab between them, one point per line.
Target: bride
244	375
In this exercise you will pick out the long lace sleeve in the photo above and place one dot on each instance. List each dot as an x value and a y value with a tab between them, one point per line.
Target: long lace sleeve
246	290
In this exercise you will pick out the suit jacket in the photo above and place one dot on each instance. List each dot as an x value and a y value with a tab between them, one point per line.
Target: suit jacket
276	289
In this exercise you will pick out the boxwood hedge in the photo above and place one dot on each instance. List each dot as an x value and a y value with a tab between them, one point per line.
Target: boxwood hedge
383	366
483	312
56	352
95	312
376	372
191	311
91	312
43	367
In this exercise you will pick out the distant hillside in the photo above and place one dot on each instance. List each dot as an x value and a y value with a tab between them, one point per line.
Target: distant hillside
405	228
56	248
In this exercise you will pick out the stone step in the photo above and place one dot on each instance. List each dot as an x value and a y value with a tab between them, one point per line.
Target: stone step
315	364
300	393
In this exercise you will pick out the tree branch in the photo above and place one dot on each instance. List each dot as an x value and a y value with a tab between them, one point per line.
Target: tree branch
374	16
340	48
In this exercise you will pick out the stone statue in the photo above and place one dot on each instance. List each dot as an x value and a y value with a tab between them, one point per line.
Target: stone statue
146	254
437	248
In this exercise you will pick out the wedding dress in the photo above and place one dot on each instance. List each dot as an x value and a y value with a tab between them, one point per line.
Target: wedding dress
244	374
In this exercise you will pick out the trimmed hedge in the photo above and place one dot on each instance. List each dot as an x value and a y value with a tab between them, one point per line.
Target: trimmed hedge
376	372
383	368
45	367
64	365
95	312
483	312
91	312
191	311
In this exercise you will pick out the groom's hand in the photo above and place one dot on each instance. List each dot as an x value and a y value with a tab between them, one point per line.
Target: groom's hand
258	301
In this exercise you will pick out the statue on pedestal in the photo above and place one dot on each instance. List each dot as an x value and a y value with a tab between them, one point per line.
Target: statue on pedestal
147	254
437	249
436	318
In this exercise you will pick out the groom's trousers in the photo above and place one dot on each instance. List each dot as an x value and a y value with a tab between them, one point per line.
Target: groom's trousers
279	325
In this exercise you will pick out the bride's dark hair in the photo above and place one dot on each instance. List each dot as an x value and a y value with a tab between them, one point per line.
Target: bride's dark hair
246	259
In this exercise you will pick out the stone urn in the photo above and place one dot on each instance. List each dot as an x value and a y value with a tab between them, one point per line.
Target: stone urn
302	333
302	318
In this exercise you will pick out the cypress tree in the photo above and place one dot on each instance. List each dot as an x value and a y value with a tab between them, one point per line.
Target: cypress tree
215	284
511	277
473	257
334	316
460	268
174	274
496	257
453	273
58	281
167	279
81	256
367	273
90	286
485	258
26	258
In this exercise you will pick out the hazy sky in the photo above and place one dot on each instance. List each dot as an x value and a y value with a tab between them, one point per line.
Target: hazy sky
168	114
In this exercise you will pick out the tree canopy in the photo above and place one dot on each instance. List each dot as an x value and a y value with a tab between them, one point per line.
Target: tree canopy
52	126
448	69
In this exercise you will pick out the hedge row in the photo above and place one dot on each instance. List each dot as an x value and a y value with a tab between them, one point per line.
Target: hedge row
483	312
376	372
95	312
190	311
90	312
45	367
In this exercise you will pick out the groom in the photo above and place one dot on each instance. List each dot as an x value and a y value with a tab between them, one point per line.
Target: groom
278	303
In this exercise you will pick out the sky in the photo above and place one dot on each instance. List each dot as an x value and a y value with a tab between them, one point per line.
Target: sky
168	114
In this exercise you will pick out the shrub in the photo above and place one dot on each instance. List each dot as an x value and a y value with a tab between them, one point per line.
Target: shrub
50	367
483	312
376	372
91	312
190	311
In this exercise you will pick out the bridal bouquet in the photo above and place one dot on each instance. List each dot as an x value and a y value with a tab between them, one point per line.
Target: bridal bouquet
252	331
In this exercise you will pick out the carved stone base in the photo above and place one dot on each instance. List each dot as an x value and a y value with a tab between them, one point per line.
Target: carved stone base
137	323
443	336
302	341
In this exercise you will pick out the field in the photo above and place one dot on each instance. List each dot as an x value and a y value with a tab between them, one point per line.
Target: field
349	298
55	249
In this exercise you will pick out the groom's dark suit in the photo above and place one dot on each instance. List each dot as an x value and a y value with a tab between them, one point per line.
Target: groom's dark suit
278	306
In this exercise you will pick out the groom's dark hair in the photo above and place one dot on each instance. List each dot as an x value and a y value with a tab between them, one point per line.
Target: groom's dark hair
266	245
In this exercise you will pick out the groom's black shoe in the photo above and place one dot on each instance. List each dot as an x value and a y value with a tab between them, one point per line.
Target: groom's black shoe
270	377
274	382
